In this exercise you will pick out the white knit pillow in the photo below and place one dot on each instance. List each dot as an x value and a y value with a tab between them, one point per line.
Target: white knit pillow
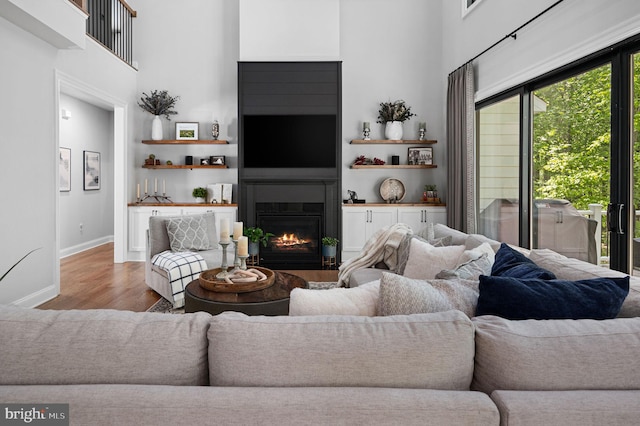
361	300
425	260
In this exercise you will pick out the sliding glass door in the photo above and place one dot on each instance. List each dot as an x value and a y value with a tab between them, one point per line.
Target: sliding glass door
571	164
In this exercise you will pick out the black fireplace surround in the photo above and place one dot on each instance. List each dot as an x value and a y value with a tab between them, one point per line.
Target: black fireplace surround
289	157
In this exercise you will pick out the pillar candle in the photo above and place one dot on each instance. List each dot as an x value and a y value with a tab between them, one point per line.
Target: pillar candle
243	246
224	230
365	125
164	186
237	230
155	187
145	187
422	125
138	191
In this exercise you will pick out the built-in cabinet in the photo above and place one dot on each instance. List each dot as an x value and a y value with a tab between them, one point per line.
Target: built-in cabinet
360	222
139	218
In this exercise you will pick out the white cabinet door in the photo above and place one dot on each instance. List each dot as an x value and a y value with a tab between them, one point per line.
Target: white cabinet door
419	218
360	223
139	223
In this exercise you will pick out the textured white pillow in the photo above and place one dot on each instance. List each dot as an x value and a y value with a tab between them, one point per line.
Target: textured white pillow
404	296
188	233
361	300
425	260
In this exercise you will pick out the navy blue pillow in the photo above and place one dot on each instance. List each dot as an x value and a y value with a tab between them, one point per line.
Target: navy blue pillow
534	298
512	263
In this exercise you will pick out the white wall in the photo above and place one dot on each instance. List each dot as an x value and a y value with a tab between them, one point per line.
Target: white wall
189	48
29	119
89	128
571	30
391	52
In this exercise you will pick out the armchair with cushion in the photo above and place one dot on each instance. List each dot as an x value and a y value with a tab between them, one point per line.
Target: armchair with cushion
201	240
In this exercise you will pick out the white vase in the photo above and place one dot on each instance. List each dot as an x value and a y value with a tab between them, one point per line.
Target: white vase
393	130
156	128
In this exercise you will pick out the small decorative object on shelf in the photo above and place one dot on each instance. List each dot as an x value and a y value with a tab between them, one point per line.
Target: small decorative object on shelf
421	156
422	130
158	103
200	194
150	161
430	195
366	131
159	198
215	130
187	131
392	115
363	161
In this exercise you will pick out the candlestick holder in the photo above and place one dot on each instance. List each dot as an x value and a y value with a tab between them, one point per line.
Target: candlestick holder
159	198
224	273
236	259
243	262
422	133
365	134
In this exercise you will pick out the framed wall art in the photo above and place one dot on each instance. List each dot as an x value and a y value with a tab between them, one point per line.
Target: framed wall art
217	160
420	156
187	131
64	166
91	170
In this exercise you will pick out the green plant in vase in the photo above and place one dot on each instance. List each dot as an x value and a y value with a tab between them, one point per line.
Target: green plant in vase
200	193
256	237
329	246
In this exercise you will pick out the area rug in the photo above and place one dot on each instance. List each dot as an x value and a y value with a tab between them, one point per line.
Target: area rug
163	306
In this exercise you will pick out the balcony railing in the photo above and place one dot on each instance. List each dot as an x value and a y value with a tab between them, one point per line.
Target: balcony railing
110	23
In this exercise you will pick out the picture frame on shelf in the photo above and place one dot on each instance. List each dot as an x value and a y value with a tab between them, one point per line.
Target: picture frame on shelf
217	160
420	156
91	171
65	169
204	161
187	131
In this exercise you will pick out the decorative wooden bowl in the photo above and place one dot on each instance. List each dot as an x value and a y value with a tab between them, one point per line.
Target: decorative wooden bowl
209	282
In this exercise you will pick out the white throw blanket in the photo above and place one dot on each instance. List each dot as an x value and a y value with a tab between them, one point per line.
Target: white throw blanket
382	246
182	268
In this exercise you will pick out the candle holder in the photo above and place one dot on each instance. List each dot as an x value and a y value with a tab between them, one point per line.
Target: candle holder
159	198
224	273
236	259
422	133
243	262
365	134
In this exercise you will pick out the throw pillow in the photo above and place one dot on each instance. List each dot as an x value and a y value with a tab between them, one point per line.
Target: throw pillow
404	296
425	260
535	298
361	300
405	246
512	263
469	270
188	233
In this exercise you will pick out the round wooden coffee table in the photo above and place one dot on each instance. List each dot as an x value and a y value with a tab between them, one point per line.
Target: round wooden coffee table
273	300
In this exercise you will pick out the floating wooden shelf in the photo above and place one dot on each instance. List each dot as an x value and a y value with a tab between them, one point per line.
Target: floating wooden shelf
393	142
186	142
394	166
185	166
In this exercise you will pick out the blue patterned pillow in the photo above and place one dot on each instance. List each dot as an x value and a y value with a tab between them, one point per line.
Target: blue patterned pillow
534	298
512	263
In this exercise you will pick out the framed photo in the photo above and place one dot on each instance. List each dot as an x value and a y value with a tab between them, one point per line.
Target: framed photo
91	170
420	156
217	160
65	169
187	131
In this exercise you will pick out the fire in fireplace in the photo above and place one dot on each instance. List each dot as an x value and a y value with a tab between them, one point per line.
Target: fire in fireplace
297	228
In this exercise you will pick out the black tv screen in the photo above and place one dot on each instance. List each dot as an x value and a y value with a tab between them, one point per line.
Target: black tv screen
287	141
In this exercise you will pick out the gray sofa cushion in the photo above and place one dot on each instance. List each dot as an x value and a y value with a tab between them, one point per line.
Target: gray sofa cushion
556	354
423	351
102	346
563	408
208	405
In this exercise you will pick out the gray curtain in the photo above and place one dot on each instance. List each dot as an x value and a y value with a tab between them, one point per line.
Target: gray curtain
461	150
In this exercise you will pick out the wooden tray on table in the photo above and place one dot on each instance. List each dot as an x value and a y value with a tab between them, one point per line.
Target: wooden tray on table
209	281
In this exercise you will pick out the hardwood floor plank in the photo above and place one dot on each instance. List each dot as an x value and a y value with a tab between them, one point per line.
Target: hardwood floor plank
90	280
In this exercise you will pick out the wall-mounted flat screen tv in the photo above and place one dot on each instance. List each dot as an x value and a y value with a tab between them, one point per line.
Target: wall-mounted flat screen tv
287	141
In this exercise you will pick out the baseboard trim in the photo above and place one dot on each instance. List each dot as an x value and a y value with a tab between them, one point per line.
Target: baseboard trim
85	246
38	298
